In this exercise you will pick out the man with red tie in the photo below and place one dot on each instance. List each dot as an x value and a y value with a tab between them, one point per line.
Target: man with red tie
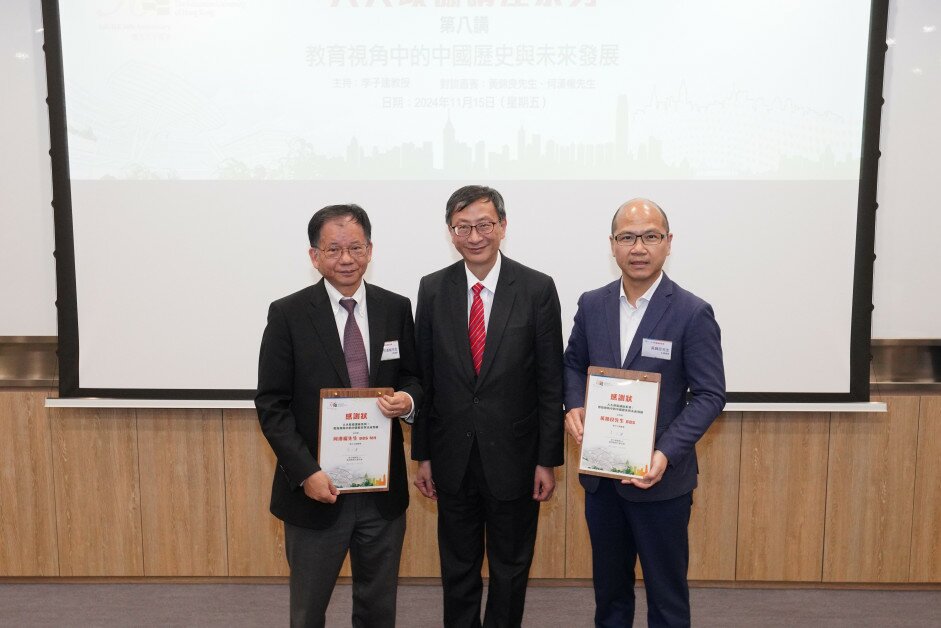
489	430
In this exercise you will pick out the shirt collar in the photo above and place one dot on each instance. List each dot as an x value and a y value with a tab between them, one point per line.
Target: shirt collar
490	281
644	297
334	295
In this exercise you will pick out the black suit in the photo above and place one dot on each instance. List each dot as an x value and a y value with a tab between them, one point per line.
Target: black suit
484	435
300	354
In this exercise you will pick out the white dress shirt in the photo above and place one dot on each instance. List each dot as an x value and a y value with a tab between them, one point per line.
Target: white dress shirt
362	320
631	316
340	315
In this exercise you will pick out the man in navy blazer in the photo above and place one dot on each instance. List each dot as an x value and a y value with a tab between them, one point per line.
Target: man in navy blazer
614	327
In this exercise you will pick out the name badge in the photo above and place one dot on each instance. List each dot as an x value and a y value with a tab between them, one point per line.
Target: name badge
660	349
390	350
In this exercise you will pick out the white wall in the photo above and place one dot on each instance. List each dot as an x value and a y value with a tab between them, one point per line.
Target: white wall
27	268
908	223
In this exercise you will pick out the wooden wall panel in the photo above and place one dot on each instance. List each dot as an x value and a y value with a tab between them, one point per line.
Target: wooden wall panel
345	569
871	483
27	493
856	474
577	542
182	492
549	557
782	496
255	537
97	490
420	552
926	519
712	526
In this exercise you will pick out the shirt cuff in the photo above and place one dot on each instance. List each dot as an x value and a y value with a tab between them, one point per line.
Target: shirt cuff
410	417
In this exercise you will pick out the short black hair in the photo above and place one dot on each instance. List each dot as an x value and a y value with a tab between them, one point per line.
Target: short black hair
614	219
330	212
469	194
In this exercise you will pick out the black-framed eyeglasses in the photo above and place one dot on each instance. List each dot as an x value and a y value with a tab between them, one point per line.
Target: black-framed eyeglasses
650	238
335	252
483	228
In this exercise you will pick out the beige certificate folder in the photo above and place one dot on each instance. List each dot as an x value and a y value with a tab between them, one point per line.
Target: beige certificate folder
620	422
355	439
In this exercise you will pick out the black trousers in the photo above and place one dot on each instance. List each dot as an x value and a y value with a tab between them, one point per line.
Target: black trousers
315	558
469	519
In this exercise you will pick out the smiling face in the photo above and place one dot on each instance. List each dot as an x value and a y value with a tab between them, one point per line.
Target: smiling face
641	263
345	271
479	251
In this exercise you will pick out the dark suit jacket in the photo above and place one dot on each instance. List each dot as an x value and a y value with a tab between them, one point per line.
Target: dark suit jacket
300	354
695	365
514	407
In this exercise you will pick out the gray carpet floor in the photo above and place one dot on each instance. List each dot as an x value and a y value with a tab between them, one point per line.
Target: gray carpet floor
229	605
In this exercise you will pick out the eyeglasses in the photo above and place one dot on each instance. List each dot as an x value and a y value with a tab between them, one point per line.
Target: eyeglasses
335	252
649	239
483	228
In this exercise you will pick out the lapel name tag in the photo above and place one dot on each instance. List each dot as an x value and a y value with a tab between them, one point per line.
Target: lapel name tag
390	350
660	349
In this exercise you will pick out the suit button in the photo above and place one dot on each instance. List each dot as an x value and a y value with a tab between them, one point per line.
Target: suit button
469	435
476	400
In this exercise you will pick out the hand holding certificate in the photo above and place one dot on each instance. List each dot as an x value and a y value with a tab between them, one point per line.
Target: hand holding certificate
620	423
355	439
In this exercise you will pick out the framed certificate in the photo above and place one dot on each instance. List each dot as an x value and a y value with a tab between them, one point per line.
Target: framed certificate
620	422
355	439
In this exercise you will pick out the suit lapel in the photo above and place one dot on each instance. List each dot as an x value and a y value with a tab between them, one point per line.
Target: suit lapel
503	300
321	315
658	305
612	315
457	301
376	312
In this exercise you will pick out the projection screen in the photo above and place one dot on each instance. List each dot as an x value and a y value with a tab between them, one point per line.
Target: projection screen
193	139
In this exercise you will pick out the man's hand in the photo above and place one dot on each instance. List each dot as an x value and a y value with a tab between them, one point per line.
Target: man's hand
395	405
543	484
319	487
658	465
426	486
575	423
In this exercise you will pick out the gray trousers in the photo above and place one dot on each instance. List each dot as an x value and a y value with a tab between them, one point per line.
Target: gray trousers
315	558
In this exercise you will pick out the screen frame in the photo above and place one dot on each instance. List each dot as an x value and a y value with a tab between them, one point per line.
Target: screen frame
67	305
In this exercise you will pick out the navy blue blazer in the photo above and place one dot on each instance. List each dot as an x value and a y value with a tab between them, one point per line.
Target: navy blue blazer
695	366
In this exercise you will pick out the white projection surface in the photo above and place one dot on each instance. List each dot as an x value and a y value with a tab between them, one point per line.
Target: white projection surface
203	135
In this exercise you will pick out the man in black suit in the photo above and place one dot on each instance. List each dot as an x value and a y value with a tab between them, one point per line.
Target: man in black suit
489	430
338	333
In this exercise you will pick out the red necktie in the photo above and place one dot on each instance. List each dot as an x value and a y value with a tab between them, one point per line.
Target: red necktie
475	328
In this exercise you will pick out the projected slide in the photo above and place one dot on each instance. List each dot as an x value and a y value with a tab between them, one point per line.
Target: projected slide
203	133
445	90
